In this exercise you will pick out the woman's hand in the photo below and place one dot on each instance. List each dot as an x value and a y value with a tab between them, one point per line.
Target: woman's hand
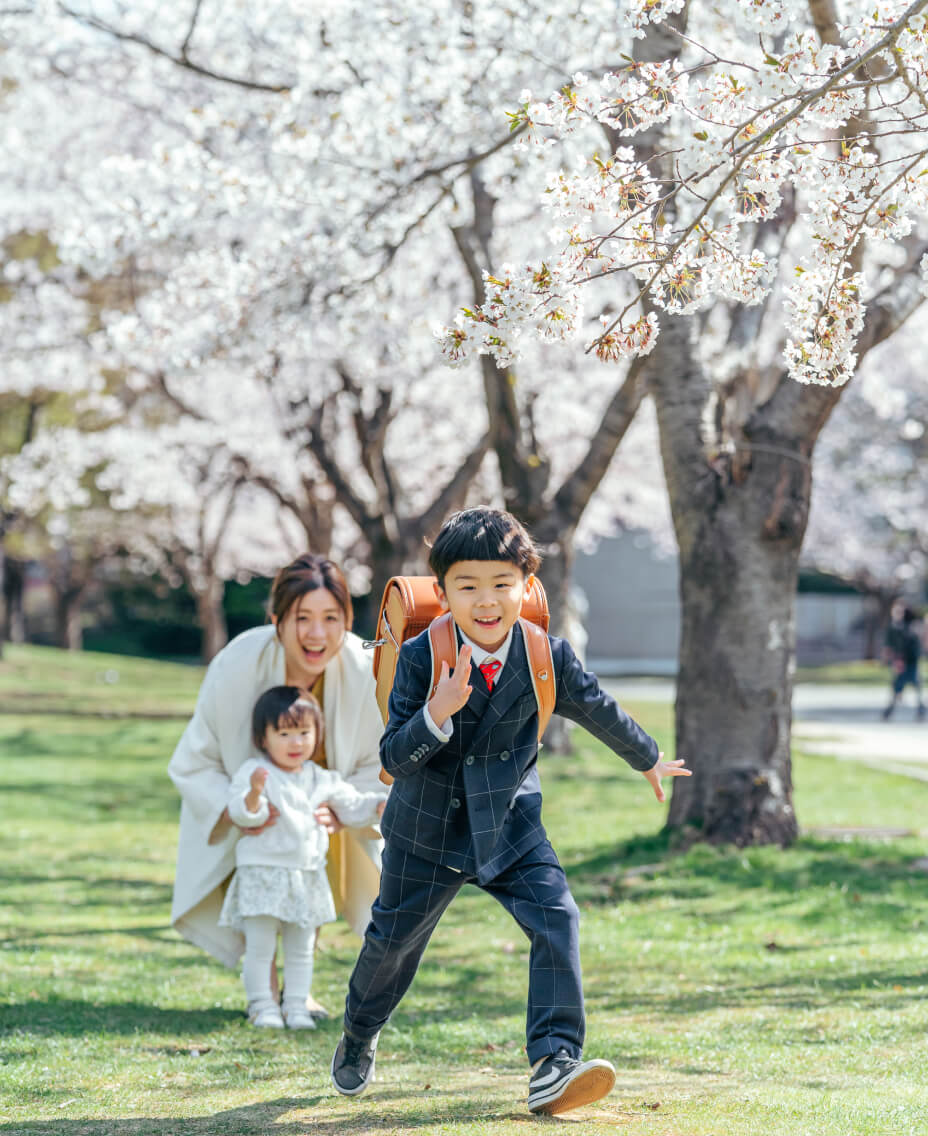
326	817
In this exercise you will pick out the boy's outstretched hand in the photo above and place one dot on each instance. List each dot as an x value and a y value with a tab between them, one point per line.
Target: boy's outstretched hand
453	689
665	769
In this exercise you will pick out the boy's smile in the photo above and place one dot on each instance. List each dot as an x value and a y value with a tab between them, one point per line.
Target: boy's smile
484	598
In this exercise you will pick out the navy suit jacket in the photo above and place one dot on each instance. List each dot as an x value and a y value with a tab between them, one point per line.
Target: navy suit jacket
474	803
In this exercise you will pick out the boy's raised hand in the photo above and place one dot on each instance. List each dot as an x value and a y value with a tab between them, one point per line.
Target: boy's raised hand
453	689
665	769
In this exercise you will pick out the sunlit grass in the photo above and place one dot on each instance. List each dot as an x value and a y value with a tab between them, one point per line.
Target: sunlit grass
866	671
737	992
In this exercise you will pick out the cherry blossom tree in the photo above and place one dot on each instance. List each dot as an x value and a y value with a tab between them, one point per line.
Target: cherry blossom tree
289	198
295	197
760	210
869	516
46	375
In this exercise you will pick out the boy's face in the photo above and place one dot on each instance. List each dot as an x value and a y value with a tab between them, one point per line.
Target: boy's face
288	747
484	598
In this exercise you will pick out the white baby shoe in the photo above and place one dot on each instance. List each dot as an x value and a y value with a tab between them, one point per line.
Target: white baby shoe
298	1017
265	1015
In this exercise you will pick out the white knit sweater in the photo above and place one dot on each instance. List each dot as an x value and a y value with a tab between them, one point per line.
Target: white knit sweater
296	839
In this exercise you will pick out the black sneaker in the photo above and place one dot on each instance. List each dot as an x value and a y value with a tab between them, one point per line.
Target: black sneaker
561	1083
353	1064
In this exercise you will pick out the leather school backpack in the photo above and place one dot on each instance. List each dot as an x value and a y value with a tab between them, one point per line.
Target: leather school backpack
410	605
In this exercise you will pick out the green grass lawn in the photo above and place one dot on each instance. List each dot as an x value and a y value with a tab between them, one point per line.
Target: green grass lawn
756	992
868	672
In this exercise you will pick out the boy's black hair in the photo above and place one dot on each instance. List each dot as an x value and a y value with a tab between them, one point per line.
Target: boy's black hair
285	706
483	534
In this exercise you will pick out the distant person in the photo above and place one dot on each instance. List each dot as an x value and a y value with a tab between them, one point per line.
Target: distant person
308	644
903	652
280	884
465	808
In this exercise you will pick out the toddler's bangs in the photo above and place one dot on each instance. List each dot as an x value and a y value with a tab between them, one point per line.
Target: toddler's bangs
297	716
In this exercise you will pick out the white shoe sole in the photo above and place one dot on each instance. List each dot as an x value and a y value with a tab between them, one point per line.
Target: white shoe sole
591	1082
302	1023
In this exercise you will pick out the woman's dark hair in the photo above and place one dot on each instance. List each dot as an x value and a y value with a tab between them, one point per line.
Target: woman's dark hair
483	534
285	707
305	574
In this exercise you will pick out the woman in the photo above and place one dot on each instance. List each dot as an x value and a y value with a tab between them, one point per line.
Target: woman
308	644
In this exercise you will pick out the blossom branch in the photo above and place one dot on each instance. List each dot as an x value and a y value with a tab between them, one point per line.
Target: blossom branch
181	60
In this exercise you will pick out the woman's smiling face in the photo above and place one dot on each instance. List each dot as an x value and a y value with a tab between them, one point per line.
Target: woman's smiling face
312	633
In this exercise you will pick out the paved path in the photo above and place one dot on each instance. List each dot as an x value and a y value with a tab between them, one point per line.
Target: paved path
841	719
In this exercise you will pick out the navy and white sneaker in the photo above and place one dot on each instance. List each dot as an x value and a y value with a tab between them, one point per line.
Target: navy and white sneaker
561	1083
353	1064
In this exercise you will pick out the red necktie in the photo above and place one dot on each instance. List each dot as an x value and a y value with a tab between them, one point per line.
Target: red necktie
490	668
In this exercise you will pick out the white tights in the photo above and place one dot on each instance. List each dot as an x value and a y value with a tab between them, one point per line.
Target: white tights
260	948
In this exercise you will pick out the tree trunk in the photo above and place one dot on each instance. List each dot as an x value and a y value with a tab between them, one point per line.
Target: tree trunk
69	634
387	559
877	620
212	618
3	610
739	519
734	690
555	573
14	619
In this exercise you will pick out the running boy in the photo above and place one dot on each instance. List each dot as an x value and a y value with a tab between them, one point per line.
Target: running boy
465	807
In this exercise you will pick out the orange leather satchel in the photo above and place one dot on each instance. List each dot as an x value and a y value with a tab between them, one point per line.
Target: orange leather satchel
410	605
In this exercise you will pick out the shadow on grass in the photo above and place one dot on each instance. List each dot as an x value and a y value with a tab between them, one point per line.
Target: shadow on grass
26	704
133	798
68	1017
154	933
327	1116
855	869
887	985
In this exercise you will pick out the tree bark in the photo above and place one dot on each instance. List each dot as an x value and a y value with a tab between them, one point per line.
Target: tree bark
14	620
555	574
877	621
69	634
734	686
212	618
3	612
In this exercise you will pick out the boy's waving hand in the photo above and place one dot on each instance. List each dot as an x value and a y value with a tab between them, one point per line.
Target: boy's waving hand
453	688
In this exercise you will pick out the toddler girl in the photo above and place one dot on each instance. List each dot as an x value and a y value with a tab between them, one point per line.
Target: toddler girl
280	882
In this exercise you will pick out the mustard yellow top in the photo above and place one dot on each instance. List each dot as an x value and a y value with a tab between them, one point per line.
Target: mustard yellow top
335	864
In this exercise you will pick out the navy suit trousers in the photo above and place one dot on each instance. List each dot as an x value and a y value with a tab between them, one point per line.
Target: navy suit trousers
413	894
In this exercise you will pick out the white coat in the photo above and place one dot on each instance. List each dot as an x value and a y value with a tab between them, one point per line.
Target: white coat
217	741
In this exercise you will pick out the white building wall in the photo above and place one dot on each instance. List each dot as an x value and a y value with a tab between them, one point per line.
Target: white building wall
633	612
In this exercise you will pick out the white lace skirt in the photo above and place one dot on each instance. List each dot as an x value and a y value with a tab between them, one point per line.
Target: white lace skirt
289	894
